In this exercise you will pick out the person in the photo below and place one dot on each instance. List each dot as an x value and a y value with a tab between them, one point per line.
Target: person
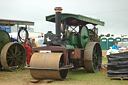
115	46
30	43
29	53
35	44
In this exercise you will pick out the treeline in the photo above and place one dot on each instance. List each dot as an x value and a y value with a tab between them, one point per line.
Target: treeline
107	35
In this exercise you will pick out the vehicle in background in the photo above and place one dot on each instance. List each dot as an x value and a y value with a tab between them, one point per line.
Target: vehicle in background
123	46
31	34
40	41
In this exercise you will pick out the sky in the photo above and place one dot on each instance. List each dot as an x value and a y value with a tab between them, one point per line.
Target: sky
113	12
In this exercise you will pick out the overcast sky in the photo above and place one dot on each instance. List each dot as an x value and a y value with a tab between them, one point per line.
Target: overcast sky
113	12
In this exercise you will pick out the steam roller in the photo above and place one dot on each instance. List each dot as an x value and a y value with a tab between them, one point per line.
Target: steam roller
73	46
12	54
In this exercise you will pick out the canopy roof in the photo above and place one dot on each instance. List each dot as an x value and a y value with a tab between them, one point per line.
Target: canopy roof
7	22
74	19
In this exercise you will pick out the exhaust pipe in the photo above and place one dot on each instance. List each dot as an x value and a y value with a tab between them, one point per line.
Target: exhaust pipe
58	21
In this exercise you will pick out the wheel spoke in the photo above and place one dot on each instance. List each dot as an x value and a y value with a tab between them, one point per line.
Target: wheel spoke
16	63
9	57
97	54
9	54
19	58
19	53
94	66
97	62
11	51
94	51
10	64
16	49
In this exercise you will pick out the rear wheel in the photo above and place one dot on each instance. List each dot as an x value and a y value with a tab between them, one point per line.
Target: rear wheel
13	56
93	57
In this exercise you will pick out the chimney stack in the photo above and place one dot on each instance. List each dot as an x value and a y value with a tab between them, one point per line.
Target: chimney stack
58	21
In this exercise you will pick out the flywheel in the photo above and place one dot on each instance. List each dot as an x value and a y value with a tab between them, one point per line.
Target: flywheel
93	57
47	66
13	56
4	38
83	36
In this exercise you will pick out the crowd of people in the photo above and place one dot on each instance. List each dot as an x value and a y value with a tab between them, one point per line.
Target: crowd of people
29	44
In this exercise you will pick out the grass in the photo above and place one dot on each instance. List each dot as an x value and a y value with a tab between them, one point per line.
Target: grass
104	53
75	77
99	78
104	60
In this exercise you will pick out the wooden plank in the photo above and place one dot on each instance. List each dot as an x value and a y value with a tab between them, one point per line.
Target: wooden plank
34	81
118	78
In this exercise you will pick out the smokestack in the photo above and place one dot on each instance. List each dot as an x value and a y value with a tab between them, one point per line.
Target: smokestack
58	21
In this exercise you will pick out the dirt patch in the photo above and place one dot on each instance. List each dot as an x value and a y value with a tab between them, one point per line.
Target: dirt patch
14	78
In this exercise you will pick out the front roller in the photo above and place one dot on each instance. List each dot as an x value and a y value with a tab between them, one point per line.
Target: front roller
93	57
47	66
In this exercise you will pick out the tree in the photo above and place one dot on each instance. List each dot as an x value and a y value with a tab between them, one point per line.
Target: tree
100	37
108	35
112	35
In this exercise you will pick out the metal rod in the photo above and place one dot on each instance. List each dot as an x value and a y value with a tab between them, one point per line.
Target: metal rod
62	68
17	30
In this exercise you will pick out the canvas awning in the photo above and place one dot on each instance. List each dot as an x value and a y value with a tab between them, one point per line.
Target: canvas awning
74	19
7	22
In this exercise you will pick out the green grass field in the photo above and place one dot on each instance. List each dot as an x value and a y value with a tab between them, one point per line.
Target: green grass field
75	77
